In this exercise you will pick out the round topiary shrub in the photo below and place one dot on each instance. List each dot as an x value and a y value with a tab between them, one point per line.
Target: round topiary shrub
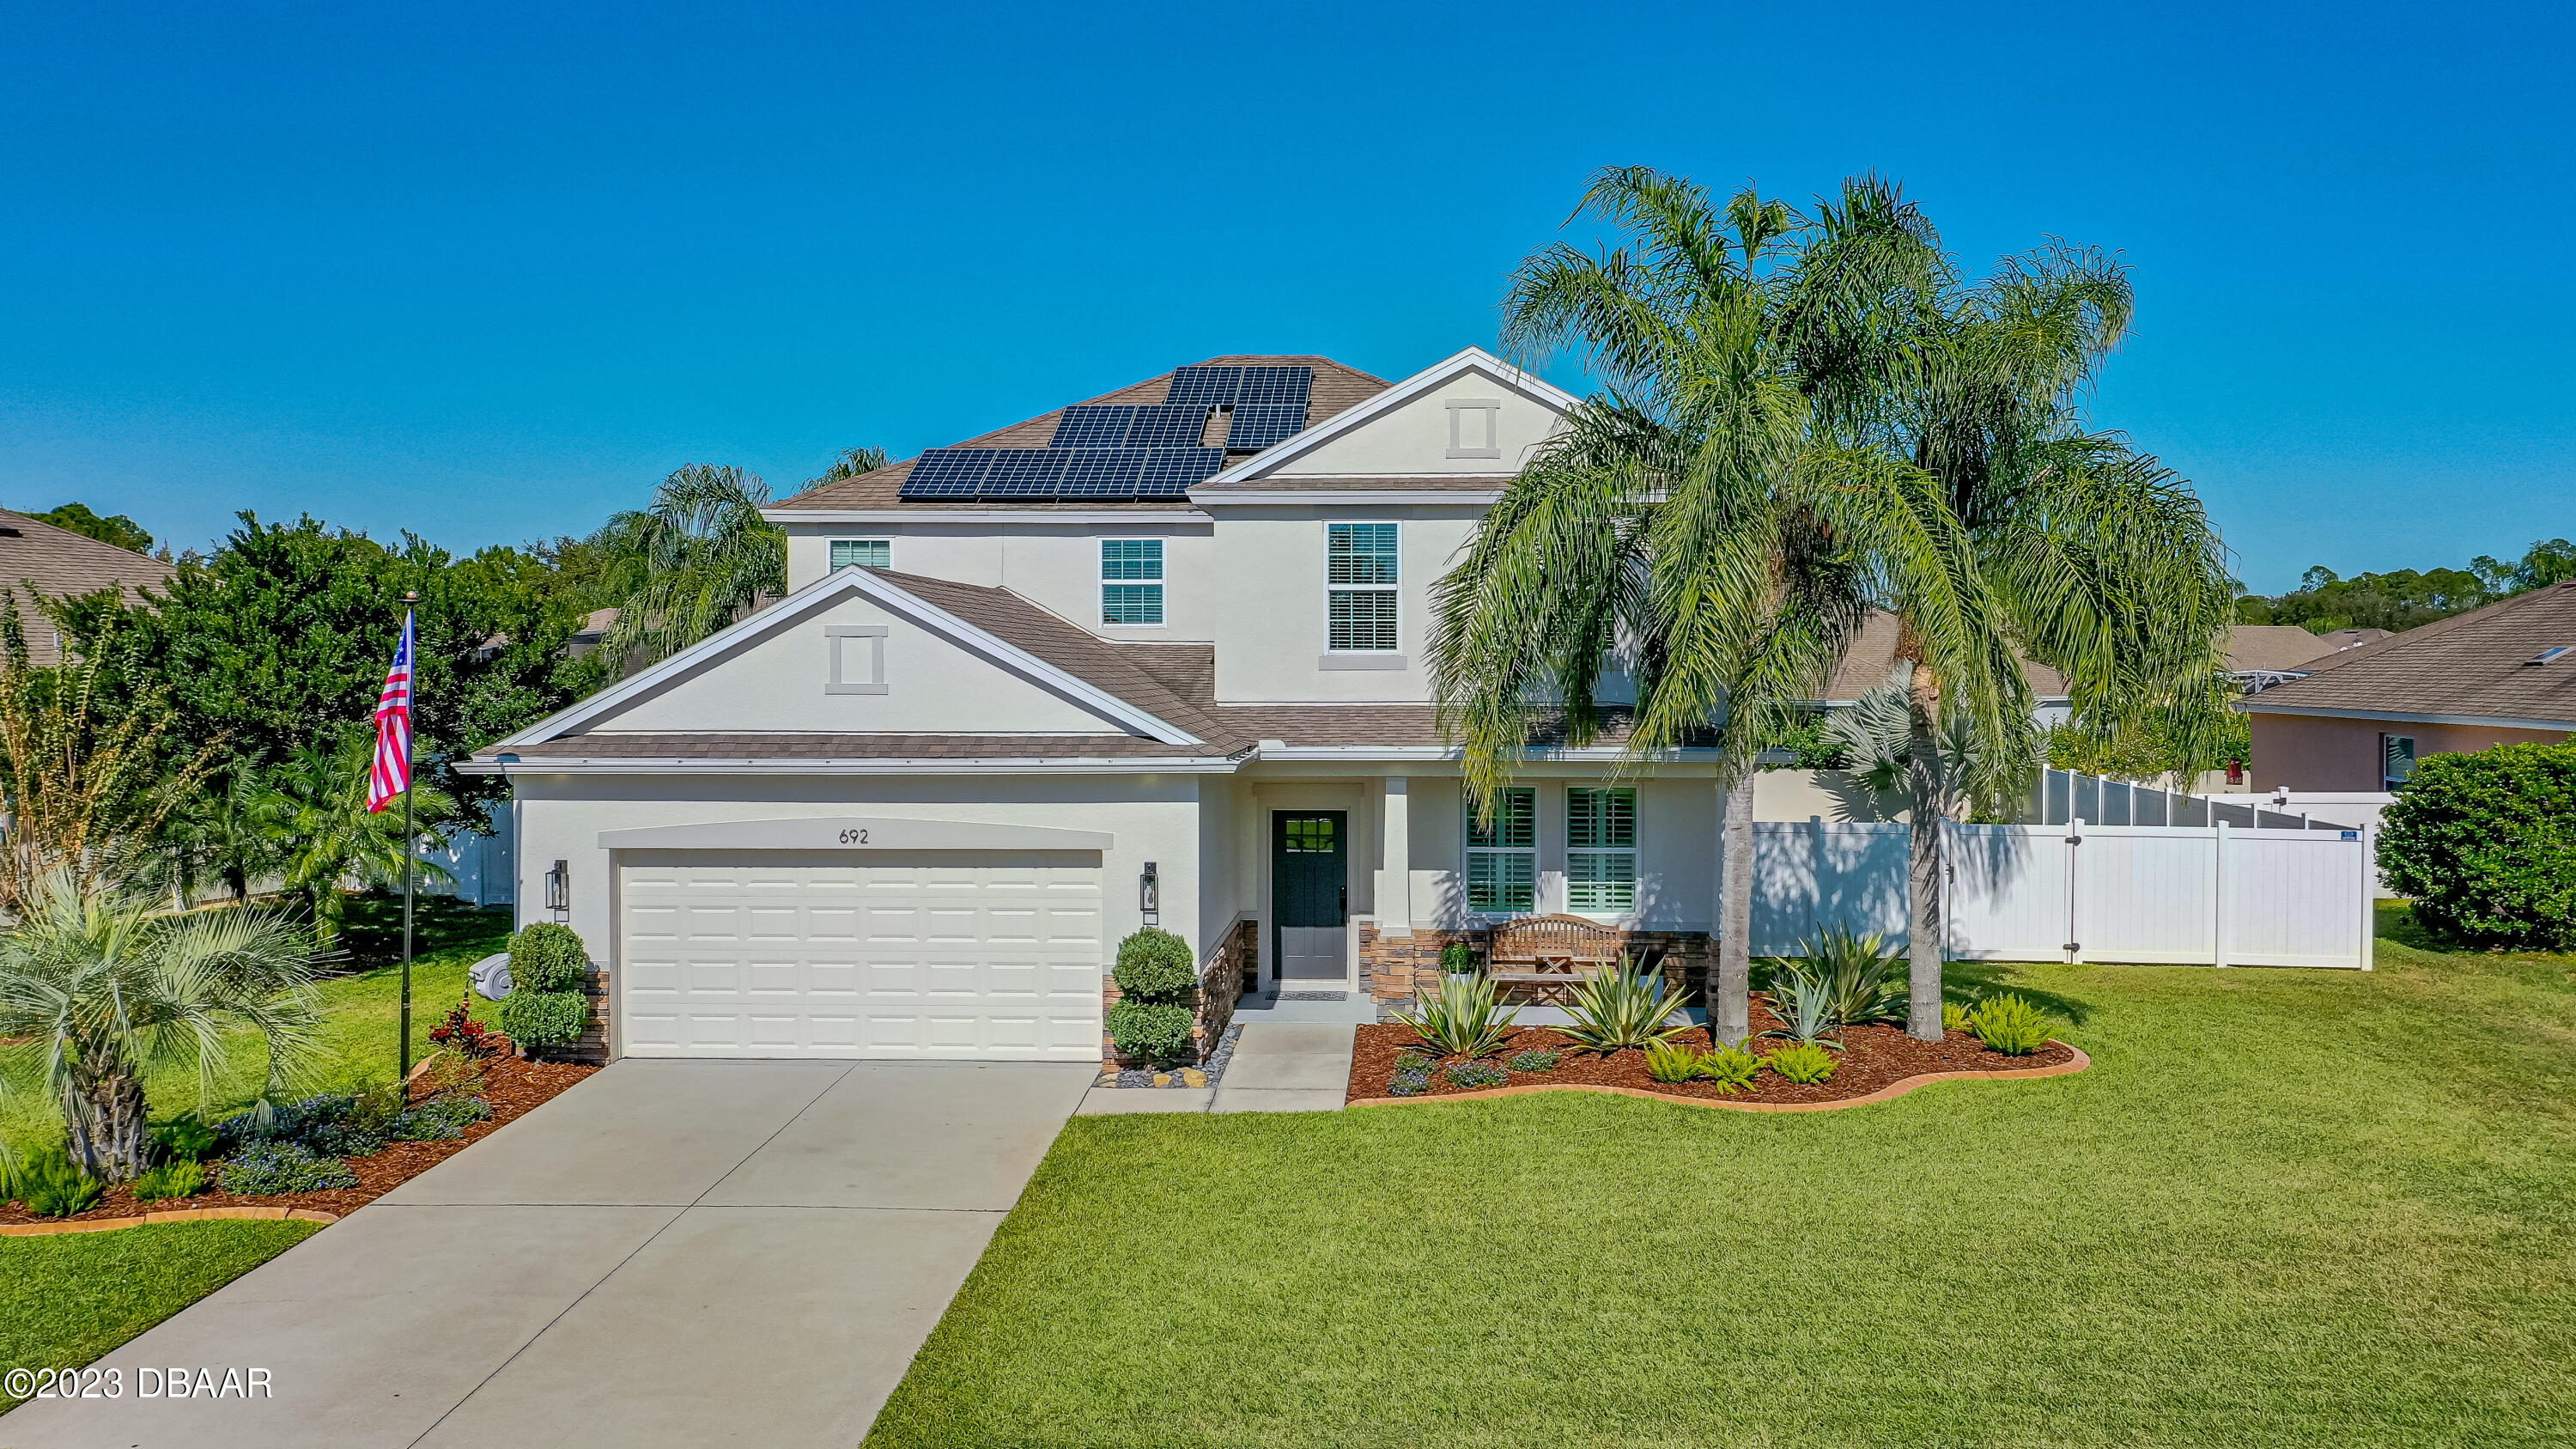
1157	966
537	1020
548	957
2485	844
1154	1031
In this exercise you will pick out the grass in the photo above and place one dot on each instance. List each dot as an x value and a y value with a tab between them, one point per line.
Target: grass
73	1298
360	1008
2283	1208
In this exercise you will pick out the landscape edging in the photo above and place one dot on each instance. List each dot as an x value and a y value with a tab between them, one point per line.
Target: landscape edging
1890	1091
180	1215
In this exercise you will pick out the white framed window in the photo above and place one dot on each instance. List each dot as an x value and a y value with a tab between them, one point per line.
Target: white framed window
1360	581
1502	855
1131	581
1601	850
862	553
2396	761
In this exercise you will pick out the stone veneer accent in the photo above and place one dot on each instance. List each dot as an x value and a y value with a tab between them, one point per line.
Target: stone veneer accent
1399	968
1220	983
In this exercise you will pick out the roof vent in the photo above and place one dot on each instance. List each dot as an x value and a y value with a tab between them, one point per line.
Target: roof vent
2551	654
13	533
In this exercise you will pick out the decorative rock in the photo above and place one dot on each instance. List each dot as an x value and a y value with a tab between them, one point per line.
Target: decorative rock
1193	1077
1162	1079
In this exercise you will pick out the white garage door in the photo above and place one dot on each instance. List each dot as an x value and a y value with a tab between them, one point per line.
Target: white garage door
945	954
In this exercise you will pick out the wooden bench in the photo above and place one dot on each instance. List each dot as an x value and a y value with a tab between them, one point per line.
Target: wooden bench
1551	955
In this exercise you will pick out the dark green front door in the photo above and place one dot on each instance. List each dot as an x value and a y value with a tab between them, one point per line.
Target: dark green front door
1309	855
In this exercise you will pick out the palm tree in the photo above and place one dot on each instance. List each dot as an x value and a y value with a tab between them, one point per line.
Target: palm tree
850	463
229	830
1695	527
2099	561
317	803
696	559
96	987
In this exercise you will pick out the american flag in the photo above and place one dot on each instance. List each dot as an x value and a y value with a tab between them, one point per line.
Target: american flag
392	773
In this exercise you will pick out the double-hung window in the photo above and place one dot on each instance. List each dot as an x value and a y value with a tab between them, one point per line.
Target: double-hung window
1601	850
1360	586
1131	581
862	553
1502	855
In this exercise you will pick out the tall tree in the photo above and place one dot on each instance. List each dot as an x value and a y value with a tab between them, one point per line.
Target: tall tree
116	528
316	801
696	559
1693	527
850	463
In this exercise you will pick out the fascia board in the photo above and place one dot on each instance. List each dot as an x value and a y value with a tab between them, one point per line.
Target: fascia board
1473	359
1351	498
634	765
853	833
974	515
795	606
1603	753
2501	722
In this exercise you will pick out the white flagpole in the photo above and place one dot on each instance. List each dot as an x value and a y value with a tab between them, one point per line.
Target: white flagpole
411	695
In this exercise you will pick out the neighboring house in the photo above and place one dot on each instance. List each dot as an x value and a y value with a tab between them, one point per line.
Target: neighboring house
61	564
594	628
2263	655
1155	658
2504	674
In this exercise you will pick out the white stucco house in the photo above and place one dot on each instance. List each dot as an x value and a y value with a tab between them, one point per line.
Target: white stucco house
1154	657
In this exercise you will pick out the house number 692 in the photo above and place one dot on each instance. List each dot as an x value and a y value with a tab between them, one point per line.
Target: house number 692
854	837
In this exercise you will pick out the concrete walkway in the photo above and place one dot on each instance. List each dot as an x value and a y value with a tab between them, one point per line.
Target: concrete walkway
1277	1067
671	1253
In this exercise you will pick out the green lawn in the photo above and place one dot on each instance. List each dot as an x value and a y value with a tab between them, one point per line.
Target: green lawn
69	1299
359	1008
2284	1207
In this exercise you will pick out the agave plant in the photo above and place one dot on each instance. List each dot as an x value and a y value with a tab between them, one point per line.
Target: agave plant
1624	1006
1805	1006
1864	977
1460	1019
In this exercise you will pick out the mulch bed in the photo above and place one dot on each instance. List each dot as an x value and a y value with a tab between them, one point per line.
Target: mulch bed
1872	1057
513	1087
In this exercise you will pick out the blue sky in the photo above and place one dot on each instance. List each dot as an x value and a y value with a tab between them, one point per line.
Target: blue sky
488	272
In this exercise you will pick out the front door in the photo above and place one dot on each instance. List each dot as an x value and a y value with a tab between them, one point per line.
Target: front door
1309	896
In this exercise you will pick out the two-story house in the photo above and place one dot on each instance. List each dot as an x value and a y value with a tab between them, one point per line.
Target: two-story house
1158	657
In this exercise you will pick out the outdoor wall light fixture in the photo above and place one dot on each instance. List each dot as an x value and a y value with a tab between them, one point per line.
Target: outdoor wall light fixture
1149	895
559	889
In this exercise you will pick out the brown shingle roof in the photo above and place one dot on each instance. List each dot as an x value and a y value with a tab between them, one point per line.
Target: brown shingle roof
609	746
2469	666
1337	388
63	564
1871	661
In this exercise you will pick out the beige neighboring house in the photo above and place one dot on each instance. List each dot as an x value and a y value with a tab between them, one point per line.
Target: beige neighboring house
61	564
2504	674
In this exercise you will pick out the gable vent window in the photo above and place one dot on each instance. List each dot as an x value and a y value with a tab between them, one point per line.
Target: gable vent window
1601	850
1502	855
1360	577
1131	581
862	553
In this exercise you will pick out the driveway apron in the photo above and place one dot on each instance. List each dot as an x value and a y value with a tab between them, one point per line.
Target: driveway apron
671	1253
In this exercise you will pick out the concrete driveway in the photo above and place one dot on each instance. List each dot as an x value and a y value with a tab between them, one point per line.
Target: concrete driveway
671	1253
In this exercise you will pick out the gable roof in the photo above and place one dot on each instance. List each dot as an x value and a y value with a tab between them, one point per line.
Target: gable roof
61	564
2469	668
1335	390
1871	660
1250	474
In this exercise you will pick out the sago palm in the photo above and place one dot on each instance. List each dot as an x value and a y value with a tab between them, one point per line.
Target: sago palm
96	988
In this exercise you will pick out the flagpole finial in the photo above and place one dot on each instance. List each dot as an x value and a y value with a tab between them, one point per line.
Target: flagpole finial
410	598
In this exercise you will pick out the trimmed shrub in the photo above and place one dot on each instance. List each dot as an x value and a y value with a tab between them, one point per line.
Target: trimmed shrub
275	1167
1156	966
1156	1031
1459	959
185	1138
2485	844
547	957
178	1178
2009	1024
540	1019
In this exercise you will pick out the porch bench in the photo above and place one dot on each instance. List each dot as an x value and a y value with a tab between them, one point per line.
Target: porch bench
1551	955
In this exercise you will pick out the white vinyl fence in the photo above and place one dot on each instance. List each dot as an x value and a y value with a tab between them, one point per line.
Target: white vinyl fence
2209	895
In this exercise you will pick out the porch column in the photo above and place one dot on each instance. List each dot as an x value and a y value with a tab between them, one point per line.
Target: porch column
1395	879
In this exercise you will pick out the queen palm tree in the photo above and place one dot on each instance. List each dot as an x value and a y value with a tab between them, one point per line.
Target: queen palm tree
317	804
96	987
1785	441
850	463
1696	528
696	559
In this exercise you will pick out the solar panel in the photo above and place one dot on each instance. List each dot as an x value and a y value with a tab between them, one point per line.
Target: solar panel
1093	427
945	473
1258	425
1204	385
1274	387
1024	473
1100	473
1168	426
1169	472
